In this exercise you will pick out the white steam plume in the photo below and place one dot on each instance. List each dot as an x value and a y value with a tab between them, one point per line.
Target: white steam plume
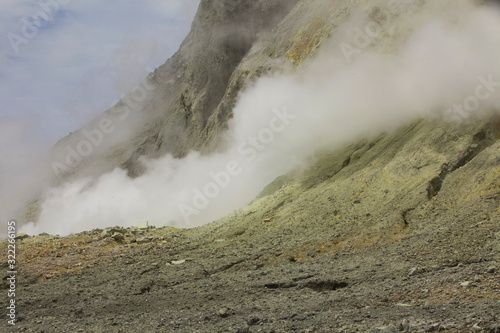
282	119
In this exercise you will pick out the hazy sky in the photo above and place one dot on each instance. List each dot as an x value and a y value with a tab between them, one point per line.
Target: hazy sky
64	61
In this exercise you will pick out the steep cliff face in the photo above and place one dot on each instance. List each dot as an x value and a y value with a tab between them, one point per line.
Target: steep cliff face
186	103
222	34
170	110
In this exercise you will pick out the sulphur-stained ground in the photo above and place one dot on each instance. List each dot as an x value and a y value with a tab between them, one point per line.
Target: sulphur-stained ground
400	232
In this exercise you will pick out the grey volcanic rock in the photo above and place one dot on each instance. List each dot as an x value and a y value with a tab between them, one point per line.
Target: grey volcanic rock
118	236
385	329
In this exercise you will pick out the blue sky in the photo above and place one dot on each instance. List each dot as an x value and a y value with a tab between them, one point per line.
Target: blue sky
62	62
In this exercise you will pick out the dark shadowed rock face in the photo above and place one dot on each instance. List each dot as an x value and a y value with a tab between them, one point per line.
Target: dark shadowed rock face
222	34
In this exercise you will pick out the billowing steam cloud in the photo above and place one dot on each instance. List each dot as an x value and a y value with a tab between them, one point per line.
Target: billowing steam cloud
50	84
443	64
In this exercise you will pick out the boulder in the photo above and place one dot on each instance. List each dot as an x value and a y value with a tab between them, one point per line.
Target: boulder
142	226
21	235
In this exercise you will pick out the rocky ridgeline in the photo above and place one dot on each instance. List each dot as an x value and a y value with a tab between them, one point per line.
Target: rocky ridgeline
141	233
137	234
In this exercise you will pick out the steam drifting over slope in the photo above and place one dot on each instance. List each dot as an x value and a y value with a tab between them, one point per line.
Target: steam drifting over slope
380	69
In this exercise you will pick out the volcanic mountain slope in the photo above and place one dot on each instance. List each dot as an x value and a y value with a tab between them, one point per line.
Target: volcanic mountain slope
186	103
401	230
398	231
